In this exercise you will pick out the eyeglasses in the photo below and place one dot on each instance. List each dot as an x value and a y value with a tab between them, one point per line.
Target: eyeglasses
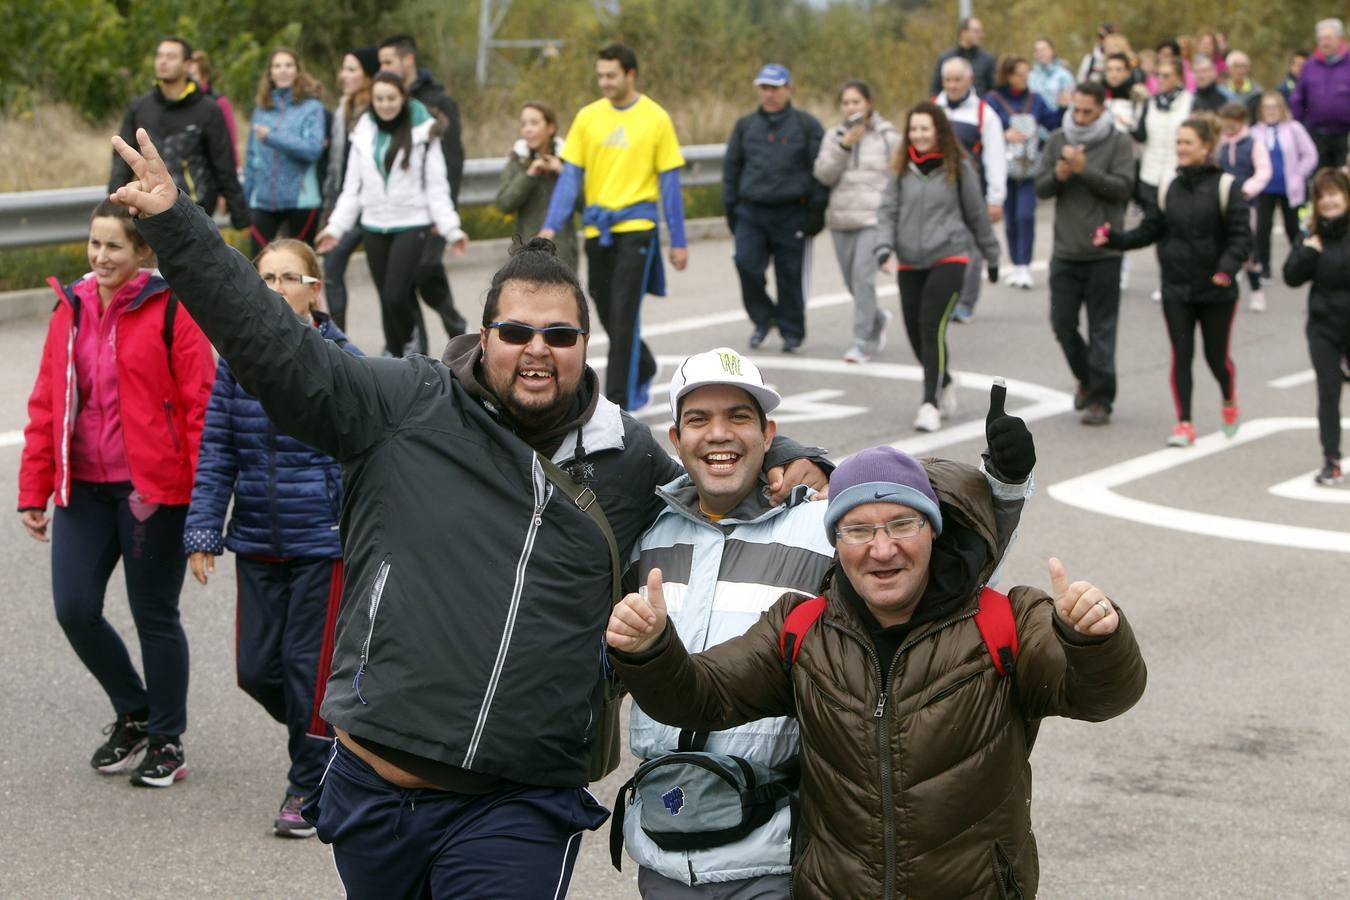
896	529
292	278
554	335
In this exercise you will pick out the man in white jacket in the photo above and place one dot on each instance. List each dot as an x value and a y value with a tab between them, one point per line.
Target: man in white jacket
981	132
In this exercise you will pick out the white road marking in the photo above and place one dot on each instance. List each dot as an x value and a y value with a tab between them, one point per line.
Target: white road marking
1095	492
1303	487
11	438
1307	376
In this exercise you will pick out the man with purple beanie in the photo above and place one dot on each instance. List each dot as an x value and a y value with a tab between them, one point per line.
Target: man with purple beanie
915	743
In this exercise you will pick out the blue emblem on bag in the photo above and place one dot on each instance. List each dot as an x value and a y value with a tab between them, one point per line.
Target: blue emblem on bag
673	800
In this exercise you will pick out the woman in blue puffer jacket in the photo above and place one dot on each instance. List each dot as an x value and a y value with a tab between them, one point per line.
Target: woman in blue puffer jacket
284	532
281	167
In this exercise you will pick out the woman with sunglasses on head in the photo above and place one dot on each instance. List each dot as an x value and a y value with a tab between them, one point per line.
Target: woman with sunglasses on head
531	173
284	533
281	165
354	79
396	189
113	425
1203	236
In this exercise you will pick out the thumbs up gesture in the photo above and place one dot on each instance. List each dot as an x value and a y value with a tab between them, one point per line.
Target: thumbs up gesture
637	621
1080	604
1012	452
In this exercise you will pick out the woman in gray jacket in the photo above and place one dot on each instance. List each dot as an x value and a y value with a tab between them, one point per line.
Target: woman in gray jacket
931	215
532	170
854	162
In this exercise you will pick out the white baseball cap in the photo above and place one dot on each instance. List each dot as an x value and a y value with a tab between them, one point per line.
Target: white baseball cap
721	365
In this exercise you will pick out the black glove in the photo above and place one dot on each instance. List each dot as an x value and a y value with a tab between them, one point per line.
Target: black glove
883	254
1012	453
993	273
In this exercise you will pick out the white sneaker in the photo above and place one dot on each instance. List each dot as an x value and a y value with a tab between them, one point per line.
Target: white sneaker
1156	296
855	354
1258	301
886	316
928	419
948	403
1124	275
1011	278
1024	276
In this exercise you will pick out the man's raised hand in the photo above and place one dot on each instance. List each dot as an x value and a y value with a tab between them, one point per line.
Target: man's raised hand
1012	452
153	191
1081	604
637	621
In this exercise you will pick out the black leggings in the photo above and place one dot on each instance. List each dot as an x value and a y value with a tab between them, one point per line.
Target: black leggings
1216	330
618	282
927	298
1327	350
1265	220
301	224
103	524
394	257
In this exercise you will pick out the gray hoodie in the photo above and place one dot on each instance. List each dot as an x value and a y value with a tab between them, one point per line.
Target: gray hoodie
925	218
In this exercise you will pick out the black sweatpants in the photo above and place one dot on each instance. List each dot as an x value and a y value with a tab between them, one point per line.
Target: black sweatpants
774	234
1328	345
1095	285
927	298
618	281
394	257
434	287
1216	332
1266	205
301	224
102	524
335	275
287	610
519	841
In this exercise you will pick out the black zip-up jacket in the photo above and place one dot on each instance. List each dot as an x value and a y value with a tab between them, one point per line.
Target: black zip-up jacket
770	158
476	597
1329	272
1195	237
192	137
433	96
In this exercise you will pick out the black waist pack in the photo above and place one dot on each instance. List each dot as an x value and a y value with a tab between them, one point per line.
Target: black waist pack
697	800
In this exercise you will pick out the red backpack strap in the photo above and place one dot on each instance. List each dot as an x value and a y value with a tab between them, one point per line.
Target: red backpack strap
999	630
799	621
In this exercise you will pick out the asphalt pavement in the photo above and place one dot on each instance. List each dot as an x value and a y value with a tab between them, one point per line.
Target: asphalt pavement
1229	779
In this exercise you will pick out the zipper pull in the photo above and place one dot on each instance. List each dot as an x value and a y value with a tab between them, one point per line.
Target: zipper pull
881	706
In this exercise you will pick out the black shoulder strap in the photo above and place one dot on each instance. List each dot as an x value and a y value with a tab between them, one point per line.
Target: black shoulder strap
588	503
170	312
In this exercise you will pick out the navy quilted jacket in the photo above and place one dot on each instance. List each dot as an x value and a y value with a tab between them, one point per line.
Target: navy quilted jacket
287	496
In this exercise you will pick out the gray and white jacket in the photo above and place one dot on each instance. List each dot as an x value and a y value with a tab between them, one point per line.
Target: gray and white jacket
925	219
856	175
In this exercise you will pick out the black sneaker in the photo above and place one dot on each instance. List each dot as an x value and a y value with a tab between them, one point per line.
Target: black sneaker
1080	397
289	822
163	763
758	336
126	738
1330	474
1097	414
791	345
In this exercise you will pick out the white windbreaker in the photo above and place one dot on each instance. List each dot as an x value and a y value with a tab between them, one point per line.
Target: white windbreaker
409	198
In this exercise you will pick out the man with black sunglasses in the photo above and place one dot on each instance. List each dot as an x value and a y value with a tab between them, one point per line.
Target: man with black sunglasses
468	675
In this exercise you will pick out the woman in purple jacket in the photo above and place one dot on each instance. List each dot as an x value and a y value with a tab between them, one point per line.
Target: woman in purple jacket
1293	159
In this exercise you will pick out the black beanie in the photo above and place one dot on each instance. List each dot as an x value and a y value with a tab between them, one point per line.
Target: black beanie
369	58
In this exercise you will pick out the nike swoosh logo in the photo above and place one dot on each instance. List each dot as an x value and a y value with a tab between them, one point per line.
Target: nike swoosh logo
880	496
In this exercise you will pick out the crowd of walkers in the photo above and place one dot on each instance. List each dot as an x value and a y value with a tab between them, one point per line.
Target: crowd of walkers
160	457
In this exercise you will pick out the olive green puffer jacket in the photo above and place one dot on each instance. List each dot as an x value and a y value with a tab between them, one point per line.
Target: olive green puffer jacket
922	789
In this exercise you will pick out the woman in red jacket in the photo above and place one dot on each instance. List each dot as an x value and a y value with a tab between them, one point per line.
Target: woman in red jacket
113	425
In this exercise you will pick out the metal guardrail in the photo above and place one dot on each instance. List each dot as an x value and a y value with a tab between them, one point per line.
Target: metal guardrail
32	218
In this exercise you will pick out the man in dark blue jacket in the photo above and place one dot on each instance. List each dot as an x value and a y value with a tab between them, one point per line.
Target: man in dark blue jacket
774	205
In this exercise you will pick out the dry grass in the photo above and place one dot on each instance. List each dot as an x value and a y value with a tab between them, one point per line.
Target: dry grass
53	147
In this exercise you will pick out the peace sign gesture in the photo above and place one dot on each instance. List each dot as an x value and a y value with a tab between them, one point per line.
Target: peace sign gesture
153	191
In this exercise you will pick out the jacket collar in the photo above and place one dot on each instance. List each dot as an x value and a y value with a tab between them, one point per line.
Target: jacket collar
144	285
681	498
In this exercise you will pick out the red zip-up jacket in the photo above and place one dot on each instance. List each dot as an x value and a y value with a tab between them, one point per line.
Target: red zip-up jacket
162	403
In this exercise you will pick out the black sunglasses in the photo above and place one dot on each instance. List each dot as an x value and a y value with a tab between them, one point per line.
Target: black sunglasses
554	335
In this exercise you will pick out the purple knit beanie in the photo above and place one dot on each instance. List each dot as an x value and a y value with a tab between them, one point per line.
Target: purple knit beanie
881	475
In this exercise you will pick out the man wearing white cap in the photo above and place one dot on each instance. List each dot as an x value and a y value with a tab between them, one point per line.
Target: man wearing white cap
774	206
726	553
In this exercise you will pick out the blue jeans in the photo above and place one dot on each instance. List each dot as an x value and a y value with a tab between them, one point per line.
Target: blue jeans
1019	220
518	842
101	525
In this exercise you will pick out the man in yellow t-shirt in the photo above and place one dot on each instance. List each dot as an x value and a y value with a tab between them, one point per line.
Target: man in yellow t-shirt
621	154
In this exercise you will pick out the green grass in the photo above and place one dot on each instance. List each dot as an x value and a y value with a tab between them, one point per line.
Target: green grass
29	267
